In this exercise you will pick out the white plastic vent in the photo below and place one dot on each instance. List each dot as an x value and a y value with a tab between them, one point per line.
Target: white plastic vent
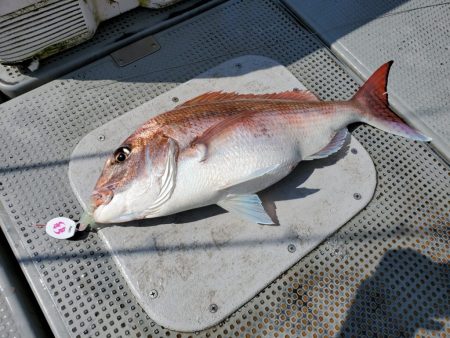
44	29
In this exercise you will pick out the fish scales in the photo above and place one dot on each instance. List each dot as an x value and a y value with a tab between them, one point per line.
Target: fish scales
222	148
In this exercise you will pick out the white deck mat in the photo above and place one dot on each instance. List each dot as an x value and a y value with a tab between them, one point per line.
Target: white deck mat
190	271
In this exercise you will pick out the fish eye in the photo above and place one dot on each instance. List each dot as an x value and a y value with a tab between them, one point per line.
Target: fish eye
122	154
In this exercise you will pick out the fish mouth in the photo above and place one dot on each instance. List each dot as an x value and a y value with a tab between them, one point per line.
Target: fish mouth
105	216
101	196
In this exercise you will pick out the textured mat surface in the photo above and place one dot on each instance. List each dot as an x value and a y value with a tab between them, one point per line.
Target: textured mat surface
384	273
413	33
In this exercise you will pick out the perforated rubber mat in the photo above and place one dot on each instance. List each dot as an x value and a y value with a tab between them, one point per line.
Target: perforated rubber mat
385	273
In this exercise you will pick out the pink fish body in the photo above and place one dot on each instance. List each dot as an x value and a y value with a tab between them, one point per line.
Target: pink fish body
222	148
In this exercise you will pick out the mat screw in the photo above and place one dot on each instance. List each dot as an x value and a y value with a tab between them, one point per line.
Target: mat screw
238	65
101	138
175	99
213	308
354	151
291	248
153	294
357	196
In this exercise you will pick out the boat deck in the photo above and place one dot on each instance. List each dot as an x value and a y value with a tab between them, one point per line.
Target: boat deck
384	273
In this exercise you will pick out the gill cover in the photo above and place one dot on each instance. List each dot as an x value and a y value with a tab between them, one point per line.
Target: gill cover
168	177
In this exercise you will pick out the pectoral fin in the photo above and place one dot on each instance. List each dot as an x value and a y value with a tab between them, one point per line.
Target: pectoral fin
168	178
335	144
202	143
248	207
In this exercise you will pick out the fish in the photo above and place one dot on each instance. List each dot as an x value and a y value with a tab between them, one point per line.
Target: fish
224	147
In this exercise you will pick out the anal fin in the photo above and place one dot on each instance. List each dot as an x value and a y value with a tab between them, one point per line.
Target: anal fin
335	144
248	207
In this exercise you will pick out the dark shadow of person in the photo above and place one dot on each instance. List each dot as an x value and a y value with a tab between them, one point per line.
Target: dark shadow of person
408	291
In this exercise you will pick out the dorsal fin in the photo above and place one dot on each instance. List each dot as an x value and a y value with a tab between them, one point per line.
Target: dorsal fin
295	95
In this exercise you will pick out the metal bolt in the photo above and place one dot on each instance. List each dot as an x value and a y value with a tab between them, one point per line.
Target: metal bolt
101	138
175	99
357	196
213	308
291	248
153	294
354	151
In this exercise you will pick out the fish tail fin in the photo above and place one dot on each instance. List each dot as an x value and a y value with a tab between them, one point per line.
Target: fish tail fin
372	99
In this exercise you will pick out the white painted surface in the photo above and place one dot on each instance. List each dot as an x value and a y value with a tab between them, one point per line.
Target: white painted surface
208	256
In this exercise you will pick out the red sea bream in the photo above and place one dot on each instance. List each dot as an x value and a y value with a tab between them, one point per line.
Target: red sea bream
222	148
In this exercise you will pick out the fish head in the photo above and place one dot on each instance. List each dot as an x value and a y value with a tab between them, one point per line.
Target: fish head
135	180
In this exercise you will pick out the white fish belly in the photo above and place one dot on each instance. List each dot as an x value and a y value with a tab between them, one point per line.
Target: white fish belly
230	170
